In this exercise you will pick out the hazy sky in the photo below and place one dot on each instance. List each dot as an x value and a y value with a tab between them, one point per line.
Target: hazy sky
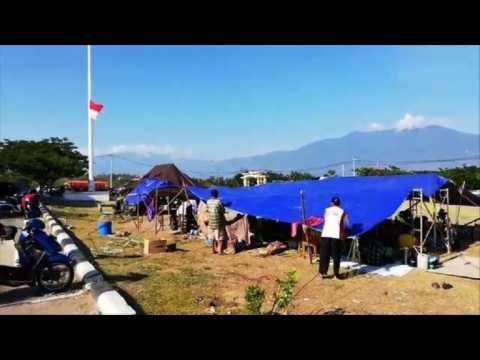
216	102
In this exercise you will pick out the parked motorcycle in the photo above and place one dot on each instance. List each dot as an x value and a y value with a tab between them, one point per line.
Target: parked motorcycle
32	211
41	262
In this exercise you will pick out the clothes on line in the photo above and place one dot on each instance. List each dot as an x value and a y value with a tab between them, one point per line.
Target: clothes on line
311	221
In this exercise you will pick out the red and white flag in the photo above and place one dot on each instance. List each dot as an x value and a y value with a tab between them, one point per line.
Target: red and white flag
95	109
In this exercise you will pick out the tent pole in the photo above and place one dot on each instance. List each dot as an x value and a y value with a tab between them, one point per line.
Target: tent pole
302	202
434	222
168	212
138	216
421	222
173	199
185	215
449	232
156	210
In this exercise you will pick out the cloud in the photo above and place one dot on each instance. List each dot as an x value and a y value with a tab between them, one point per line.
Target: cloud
375	127
148	150
410	121
143	149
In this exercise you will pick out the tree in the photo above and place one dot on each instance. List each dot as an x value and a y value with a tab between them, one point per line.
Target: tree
469	174
298	176
391	170
236	181
42	161
330	173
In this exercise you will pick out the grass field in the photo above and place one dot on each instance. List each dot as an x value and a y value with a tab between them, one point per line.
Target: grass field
191	279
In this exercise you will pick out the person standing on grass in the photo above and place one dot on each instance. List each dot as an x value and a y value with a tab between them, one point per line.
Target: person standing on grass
333	236
216	222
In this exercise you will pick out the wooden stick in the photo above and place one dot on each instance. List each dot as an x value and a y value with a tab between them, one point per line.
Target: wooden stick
156	210
302	202
138	216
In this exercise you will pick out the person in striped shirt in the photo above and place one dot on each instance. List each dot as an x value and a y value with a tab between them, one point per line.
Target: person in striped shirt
216	223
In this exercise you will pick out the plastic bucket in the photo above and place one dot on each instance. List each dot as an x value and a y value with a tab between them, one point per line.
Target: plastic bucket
104	228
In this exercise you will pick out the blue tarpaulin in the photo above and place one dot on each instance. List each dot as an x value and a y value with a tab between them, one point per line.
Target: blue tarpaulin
144	188
368	200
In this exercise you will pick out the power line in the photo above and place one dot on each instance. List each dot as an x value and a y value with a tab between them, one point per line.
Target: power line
323	167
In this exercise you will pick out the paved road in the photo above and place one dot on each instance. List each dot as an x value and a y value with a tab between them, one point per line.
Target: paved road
27	300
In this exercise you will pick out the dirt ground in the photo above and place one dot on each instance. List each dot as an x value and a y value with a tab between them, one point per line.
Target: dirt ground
191	279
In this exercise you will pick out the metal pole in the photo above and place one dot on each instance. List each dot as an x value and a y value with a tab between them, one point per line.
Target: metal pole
353	169
421	222
91	181
343	170
111	171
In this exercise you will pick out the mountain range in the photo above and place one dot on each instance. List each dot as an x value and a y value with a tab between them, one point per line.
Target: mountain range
409	149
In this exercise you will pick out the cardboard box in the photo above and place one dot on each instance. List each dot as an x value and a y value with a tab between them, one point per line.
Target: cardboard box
155	246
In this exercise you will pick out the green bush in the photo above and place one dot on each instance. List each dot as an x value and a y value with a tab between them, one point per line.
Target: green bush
283	296
254	297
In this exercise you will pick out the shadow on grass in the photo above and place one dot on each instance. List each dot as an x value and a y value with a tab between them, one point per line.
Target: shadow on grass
66	203
131	277
102	256
131	301
337	311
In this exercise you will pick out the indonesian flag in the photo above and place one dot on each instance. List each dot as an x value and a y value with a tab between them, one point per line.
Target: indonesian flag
95	109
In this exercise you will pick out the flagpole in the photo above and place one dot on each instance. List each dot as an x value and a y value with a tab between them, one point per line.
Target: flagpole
91	181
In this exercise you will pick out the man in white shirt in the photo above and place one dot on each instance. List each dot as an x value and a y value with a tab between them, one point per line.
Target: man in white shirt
333	236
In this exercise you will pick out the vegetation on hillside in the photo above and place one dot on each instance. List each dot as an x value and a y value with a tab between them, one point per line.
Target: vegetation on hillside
469	174
391	170
236	180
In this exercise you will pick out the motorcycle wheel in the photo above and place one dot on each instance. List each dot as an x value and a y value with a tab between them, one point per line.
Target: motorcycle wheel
54	277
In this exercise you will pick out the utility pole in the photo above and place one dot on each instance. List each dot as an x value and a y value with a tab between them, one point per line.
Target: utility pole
353	168
111	171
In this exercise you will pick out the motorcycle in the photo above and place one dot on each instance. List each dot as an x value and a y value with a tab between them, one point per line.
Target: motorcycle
41	263
32	211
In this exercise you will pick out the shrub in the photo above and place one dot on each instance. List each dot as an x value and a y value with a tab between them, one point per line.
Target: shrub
254	296
283	296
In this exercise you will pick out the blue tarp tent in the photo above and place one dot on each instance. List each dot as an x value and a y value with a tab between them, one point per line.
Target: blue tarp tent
368	200
144	188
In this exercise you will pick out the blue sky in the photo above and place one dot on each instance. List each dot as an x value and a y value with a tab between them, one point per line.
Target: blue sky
216	102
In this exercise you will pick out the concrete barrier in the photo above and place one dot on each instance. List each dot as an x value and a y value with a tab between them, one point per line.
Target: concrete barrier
107	299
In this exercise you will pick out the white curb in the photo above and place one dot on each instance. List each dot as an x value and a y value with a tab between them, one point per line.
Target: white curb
107	299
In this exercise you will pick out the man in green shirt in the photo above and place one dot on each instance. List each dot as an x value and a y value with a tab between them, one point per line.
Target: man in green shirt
216	222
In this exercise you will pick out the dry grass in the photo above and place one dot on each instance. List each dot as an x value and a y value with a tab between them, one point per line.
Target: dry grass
188	280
